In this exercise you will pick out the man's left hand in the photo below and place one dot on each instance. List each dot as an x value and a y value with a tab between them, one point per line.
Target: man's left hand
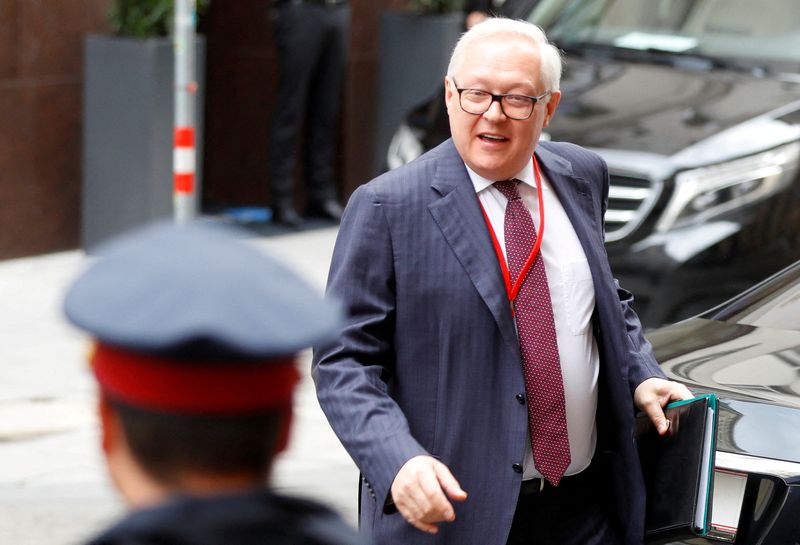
653	394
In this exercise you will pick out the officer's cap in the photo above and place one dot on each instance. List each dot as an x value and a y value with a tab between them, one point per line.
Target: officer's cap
180	303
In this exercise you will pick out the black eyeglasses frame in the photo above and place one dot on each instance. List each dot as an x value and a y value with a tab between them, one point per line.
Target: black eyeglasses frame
499	99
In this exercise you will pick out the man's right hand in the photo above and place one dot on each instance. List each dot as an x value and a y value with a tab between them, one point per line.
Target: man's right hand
421	490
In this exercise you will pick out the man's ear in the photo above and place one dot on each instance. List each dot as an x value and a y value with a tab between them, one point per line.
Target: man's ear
109	425
449	91
550	107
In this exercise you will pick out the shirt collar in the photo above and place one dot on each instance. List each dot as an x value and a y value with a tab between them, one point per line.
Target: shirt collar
525	175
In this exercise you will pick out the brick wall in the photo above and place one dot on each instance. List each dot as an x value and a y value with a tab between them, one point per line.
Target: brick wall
41	44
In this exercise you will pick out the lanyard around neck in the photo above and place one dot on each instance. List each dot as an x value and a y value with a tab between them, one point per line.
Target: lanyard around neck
513	289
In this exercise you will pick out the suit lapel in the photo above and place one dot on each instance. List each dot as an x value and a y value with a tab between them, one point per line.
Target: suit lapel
458	216
575	195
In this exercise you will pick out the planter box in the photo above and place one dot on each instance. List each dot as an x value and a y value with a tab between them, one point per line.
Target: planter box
414	51
128	114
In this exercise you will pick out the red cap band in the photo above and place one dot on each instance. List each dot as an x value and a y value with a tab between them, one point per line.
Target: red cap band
175	386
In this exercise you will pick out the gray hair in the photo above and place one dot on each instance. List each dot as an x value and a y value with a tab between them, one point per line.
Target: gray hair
501	26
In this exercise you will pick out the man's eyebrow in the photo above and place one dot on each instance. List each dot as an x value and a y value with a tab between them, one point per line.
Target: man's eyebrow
520	88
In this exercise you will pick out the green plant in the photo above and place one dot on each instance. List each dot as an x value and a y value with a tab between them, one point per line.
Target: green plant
145	18
437	6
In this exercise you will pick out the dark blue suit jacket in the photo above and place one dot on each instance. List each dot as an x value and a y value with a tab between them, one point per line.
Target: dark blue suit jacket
429	361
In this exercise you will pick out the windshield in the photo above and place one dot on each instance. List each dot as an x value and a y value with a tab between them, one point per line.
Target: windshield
757	30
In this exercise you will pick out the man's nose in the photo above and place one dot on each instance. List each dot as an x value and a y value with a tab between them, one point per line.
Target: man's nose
495	112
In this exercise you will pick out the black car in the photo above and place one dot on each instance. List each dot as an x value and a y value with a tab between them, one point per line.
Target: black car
747	352
695	106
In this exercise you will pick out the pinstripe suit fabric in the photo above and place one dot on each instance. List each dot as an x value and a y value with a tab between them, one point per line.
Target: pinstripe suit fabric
429	362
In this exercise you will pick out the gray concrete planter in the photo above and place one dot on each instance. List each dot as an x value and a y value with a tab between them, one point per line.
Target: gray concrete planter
413	54
127	133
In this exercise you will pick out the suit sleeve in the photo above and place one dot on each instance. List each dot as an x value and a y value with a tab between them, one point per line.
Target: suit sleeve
352	374
642	364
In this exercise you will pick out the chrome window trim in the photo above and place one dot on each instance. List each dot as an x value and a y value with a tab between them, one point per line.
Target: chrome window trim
751	464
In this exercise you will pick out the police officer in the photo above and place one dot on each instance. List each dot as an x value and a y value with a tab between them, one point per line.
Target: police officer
312	40
195	336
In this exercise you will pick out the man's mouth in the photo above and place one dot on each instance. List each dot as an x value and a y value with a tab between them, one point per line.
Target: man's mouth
492	138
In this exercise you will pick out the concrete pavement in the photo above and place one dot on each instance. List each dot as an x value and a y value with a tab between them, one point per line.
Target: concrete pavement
53	486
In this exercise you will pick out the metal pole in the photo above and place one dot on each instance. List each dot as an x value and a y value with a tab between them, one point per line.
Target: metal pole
184	154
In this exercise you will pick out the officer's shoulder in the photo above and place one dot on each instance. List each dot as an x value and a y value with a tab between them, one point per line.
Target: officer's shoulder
316	524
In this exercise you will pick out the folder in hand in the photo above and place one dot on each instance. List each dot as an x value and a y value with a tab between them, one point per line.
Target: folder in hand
678	468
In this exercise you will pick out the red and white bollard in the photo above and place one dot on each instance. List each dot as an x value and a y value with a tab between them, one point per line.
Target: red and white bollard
184	156
183	161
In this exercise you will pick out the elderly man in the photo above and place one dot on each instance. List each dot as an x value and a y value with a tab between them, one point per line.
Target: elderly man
195	338
487	379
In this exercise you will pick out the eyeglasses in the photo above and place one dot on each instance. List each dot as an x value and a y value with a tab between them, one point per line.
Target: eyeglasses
478	102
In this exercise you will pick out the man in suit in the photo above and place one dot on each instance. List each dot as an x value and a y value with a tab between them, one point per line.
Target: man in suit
195	338
482	403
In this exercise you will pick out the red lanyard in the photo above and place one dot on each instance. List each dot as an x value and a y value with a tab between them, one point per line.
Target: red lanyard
513	290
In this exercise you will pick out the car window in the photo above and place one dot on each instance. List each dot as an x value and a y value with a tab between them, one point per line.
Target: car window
774	303
766	30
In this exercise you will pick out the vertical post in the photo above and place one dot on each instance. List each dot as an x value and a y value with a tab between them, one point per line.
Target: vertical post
184	153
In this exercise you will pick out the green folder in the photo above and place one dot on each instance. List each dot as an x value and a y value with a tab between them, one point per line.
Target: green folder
678	469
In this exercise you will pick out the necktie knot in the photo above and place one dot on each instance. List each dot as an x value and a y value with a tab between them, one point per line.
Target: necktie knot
508	188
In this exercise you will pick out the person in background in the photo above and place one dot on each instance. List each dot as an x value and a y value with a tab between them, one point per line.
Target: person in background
194	341
312	41
487	377
479	10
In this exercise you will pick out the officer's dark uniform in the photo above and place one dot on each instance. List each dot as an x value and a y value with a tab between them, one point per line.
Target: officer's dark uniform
193	321
312	41
259	518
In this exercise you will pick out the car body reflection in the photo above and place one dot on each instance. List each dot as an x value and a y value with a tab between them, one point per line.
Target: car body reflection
747	351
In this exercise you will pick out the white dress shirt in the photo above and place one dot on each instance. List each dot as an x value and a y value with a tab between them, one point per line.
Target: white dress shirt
572	295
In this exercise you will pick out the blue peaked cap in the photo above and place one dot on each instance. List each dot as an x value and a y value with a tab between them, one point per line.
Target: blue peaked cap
197	291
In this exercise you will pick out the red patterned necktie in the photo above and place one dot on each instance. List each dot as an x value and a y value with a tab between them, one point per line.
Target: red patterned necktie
541	365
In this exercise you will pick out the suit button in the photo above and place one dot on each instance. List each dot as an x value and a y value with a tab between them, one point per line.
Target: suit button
520	399
517	467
